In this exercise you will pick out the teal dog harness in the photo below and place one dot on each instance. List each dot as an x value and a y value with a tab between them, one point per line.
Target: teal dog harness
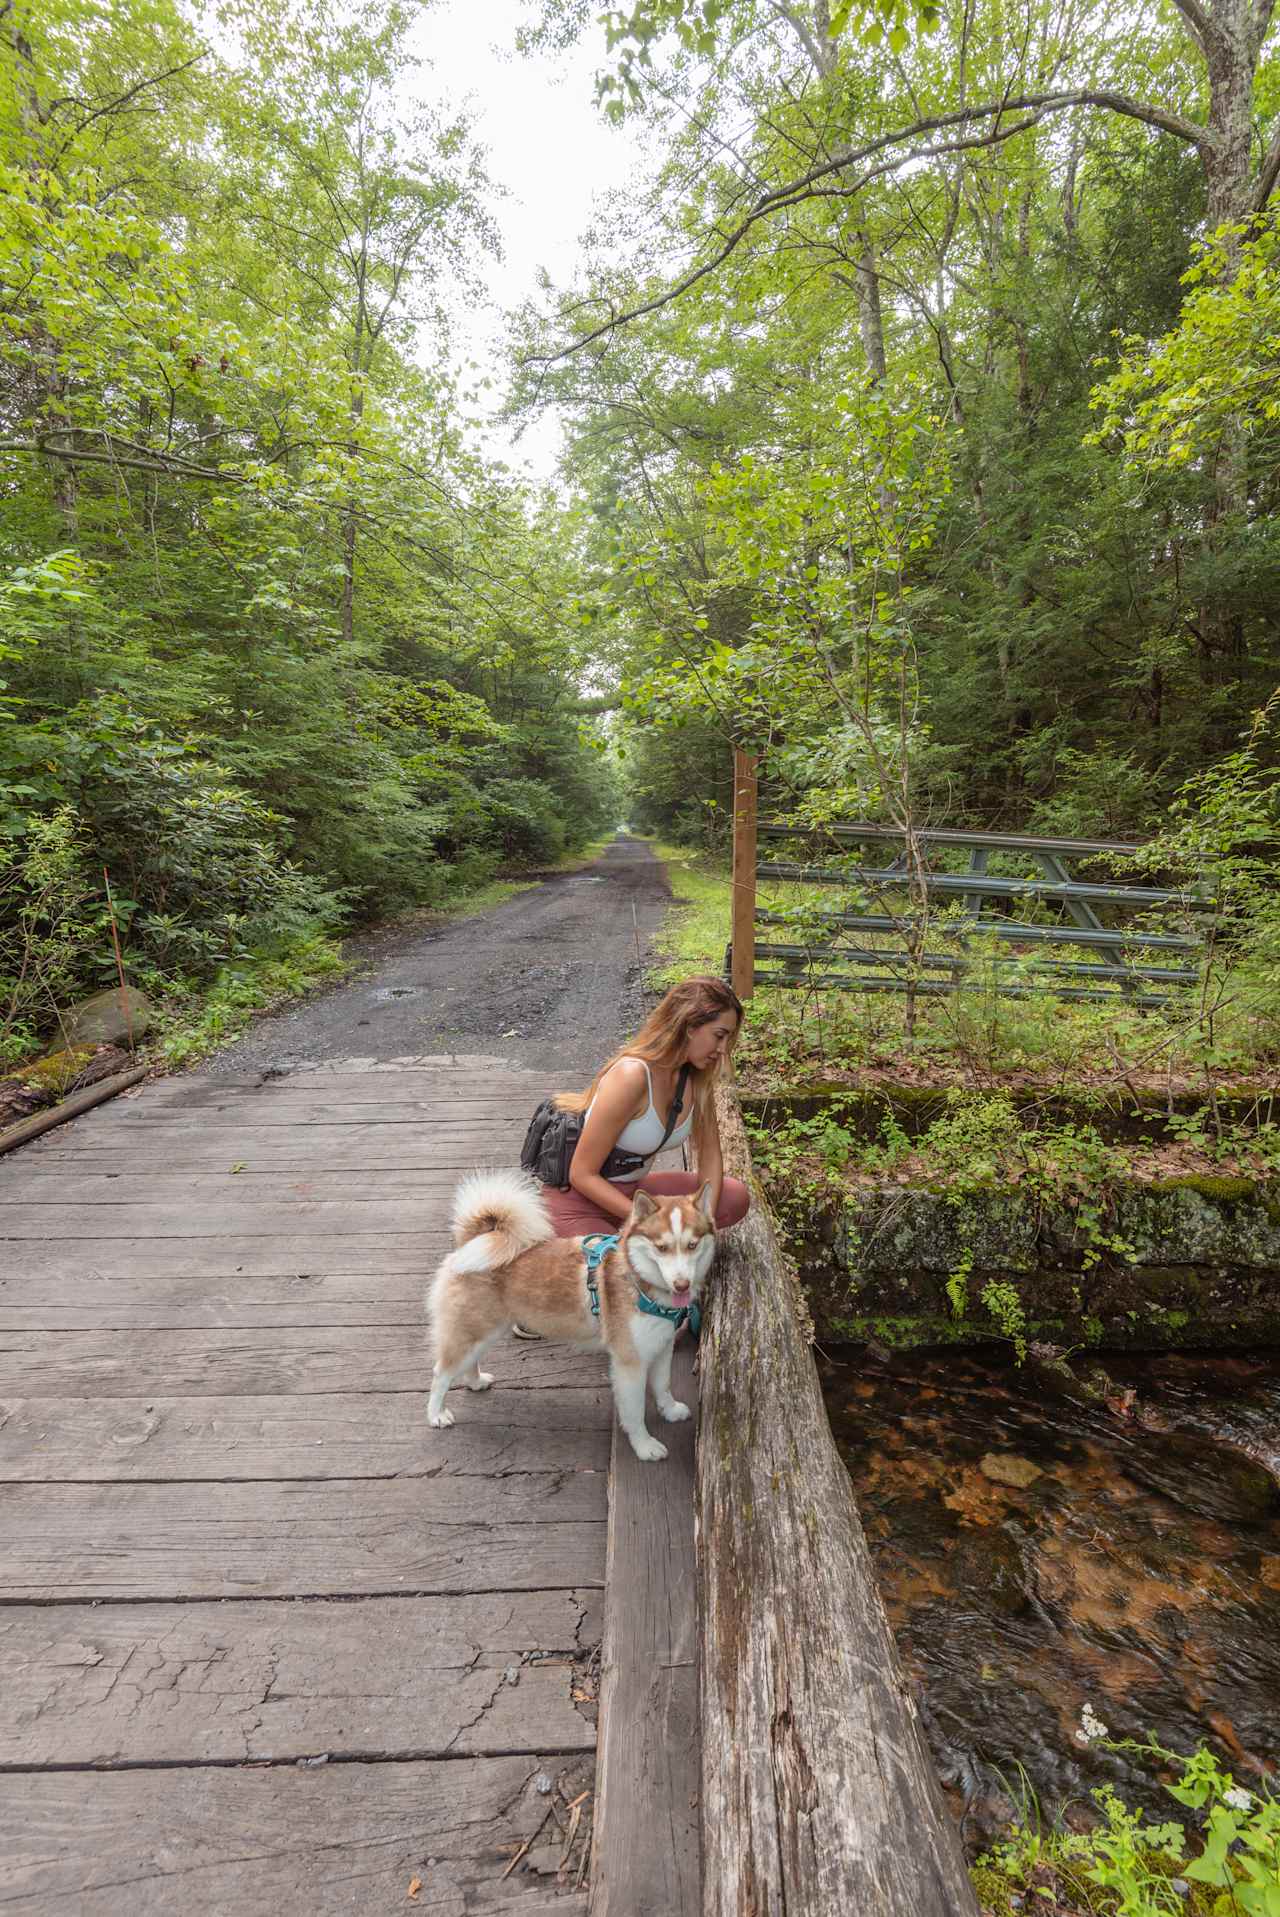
596	1246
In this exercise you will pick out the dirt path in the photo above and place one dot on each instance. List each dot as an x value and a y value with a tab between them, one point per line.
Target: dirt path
549	981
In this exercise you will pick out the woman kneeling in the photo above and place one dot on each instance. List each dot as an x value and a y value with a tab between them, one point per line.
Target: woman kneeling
627	1107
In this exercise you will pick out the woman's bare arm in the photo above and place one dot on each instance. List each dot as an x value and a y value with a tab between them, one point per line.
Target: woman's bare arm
711	1159
623	1094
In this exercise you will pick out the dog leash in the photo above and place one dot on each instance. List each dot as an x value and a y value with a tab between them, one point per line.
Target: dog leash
596	1247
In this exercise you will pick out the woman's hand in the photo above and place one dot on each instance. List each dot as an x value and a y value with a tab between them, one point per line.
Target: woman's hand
622	1095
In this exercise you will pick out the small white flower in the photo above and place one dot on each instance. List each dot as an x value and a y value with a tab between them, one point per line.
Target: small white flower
1091	1726
1237	1798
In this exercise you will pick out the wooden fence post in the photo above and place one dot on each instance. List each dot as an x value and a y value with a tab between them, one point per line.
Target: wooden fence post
744	873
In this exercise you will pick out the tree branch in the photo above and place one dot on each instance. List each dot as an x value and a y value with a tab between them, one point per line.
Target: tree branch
1260	19
1209	35
805	186
1268	173
151	80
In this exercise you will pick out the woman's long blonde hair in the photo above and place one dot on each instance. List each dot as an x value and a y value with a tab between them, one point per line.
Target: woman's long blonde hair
662	1038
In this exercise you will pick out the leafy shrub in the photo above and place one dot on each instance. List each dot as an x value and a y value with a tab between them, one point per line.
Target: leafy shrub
522	820
196	870
1225	1860
46	916
252	984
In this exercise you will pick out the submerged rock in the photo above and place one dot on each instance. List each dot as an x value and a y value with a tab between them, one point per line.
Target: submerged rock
1004	1467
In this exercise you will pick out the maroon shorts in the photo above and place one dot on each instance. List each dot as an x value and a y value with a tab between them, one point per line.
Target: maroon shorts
574	1216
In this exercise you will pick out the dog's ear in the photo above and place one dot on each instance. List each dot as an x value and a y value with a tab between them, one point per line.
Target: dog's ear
642	1205
704	1204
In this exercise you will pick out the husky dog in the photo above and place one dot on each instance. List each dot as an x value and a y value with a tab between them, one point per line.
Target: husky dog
507	1266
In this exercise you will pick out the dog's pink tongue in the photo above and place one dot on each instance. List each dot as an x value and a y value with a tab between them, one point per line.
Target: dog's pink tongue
680	1293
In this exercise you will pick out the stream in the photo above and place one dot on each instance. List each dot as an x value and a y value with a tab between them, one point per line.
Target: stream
1036	1555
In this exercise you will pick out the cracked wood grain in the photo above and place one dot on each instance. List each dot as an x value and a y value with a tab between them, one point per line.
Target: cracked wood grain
132	1302
271	1106
353	1147
21	1220
819	1794
222	1186
200	1683
65	1542
343	1840
507	1433
277	1359
26	1264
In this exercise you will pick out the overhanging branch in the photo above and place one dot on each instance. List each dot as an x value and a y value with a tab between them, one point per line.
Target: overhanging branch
807	186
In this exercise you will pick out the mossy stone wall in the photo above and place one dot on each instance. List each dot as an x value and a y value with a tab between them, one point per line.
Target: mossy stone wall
1200	1265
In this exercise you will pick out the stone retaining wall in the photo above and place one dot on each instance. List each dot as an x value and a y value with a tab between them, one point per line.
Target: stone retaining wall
1201	1266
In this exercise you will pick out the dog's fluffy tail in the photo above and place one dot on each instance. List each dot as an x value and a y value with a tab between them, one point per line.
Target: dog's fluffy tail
496	1216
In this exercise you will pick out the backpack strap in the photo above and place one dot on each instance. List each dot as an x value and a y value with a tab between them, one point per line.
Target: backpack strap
674	1114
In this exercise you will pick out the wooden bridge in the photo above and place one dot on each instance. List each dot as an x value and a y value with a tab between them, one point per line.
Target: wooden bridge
268	1643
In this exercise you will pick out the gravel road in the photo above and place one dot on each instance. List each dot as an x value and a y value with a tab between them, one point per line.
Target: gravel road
549	980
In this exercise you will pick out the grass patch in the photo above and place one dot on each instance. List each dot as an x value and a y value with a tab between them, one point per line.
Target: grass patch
195	1023
696	930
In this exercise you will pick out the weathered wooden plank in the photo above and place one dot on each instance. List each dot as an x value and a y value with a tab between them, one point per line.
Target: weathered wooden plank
373	1079
224	1187
647	1776
383	1677
818	1791
90	1302
355	1148
28	1260
273	1108
282	1360
545	1531
124	1118
349	1435
339	1840
226	1220
350	1088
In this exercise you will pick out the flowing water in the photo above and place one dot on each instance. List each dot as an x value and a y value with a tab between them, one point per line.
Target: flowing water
1035	1555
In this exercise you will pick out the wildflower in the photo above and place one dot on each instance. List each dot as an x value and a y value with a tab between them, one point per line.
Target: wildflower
1091	1727
1238	1799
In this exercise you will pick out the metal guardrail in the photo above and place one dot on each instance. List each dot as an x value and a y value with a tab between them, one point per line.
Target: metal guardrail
807	962
967	885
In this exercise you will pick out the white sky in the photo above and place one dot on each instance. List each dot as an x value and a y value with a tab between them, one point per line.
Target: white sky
547	145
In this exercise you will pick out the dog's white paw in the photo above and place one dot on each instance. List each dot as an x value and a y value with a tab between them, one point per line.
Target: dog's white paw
440	1419
674	1412
648	1450
480	1382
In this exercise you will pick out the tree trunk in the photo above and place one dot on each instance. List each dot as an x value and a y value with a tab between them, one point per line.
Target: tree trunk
870	315
1230	37
349	527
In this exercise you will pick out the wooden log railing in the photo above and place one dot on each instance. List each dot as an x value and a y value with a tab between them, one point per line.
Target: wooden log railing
819	1797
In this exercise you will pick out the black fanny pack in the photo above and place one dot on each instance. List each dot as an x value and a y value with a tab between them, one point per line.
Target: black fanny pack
552	1139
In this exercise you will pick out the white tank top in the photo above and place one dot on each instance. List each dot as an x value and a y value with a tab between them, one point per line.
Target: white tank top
643	1135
